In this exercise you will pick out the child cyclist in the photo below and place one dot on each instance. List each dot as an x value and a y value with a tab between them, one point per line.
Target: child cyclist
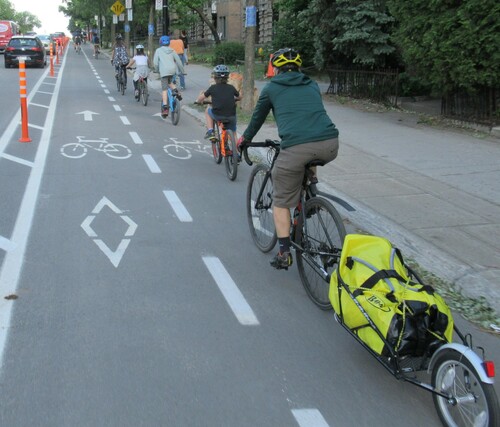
224	97
141	62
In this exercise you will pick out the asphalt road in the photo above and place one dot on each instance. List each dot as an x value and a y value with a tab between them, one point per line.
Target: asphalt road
141	299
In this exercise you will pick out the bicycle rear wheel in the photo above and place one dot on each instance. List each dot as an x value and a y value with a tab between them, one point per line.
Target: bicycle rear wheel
144	93
321	237
175	112
231	158
216	146
123	81
259	211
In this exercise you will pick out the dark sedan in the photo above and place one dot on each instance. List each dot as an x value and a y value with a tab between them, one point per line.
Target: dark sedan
29	47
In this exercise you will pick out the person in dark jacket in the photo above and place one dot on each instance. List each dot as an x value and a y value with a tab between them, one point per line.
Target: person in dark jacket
306	134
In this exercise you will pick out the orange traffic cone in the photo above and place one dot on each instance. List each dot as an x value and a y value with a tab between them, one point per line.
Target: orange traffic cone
270	68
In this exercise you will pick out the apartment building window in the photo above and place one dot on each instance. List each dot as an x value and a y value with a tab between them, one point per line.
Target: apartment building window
222	28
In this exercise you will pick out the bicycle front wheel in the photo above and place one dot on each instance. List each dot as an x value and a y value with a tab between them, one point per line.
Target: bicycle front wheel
176	111
231	158
123	83
259	210
216	146
117	151
473	403
320	233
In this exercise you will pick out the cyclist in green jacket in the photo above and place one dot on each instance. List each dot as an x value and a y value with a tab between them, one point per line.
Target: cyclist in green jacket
306	134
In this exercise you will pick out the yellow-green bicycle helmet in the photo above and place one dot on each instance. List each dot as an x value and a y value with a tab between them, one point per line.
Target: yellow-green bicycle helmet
286	56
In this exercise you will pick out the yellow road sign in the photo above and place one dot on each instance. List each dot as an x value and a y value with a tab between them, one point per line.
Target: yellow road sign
117	8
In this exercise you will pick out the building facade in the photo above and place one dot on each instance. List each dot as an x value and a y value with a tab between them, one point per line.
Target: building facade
228	17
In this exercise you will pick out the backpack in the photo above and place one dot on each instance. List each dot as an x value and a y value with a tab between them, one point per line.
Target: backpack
372	281
121	55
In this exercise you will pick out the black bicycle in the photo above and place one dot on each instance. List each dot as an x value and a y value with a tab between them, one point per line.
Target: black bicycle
317	230
121	79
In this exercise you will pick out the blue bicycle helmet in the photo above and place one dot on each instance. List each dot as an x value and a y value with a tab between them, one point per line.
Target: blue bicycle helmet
164	40
221	71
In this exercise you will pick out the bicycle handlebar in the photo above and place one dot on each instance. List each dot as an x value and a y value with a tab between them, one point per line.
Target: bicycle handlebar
267	143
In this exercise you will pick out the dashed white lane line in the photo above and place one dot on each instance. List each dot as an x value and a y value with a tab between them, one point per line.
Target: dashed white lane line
309	418
124	120
117	107
106	91
230	291
179	209
111	98
135	137
152	165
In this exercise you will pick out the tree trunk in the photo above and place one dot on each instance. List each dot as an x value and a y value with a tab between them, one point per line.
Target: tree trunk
247	103
207	21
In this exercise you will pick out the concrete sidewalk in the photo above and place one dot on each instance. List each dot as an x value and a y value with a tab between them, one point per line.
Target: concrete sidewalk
434	193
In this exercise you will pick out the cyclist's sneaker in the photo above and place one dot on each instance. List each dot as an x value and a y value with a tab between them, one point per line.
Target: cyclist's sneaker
176	93
136	93
164	111
282	261
210	135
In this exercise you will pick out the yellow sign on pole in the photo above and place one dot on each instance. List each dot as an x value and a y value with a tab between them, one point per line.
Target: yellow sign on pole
117	8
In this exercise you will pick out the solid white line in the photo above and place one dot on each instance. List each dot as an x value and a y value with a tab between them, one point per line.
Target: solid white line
35	126
124	120
117	108
13	261
179	209
52	84
230	291
309	418
47	93
152	165
17	160
135	137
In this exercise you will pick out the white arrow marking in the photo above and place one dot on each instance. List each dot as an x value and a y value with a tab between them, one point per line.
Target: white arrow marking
87	115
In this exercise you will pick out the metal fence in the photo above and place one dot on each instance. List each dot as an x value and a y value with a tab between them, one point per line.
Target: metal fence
380	85
478	107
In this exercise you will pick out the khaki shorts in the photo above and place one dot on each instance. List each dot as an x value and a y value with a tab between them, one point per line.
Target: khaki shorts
165	82
289	168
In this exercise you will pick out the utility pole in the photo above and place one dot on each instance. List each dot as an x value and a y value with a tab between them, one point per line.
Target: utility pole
247	103
166	18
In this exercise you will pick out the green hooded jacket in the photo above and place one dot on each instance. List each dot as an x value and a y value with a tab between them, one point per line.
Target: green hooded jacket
297	106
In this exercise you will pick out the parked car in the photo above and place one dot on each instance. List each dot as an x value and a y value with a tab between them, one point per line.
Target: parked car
47	40
60	37
28	46
7	30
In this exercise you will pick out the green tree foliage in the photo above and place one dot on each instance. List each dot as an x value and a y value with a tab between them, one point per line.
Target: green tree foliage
27	21
290	30
339	32
7	10
454	44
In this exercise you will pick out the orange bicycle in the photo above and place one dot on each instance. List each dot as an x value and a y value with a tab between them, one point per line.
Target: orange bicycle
224	146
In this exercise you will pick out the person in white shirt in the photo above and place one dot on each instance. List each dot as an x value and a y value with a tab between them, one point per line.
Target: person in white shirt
141	62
